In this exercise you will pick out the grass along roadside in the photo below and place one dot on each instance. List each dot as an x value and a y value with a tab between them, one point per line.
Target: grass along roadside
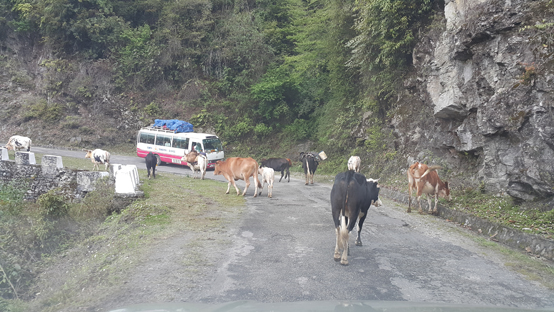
503	210
530	217
87	271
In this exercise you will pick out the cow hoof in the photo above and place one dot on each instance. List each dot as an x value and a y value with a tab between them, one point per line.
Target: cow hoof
344	262
336	259
359	243
409	210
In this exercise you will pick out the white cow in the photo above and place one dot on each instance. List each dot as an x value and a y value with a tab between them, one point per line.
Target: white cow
97	157
18	142
200	164
354	163
268	175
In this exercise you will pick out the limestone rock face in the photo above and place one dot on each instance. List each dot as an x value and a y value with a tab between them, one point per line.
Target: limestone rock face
488	84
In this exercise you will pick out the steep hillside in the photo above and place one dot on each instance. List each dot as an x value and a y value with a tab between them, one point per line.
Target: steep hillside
481	97
477	97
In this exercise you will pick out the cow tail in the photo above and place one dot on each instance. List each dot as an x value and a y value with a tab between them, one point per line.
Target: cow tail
343	227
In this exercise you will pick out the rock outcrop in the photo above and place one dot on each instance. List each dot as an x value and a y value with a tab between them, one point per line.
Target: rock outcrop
485	95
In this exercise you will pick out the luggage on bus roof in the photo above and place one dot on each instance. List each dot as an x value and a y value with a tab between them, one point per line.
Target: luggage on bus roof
173	124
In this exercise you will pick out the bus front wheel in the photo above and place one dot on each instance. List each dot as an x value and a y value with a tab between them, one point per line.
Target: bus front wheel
158	160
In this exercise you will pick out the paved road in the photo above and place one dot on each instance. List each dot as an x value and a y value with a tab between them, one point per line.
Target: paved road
283	252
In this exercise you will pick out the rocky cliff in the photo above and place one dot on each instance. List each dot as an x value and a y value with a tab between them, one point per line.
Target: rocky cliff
480	101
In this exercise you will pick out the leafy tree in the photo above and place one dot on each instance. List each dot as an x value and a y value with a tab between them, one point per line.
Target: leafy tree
384	42
239	56
276	93
137	59
74	25
278	17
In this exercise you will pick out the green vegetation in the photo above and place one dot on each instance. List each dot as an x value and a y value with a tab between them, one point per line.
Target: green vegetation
33	235
289	70
265	75
503	210
31	231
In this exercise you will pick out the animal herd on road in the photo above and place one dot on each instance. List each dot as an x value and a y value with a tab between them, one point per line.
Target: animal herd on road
351	195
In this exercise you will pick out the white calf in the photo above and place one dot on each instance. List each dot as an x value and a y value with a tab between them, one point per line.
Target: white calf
97	157
17	143
268	175
354	163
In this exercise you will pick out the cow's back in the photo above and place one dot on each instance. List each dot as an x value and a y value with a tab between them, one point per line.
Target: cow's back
278	164
354	187
244	166
237	167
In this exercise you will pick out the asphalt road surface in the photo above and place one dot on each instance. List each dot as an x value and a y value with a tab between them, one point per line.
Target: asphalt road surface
283	252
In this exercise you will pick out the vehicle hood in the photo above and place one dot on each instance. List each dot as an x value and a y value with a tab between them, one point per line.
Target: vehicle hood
317	306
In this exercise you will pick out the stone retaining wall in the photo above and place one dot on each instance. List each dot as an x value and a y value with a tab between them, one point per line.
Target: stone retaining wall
505	235
39	179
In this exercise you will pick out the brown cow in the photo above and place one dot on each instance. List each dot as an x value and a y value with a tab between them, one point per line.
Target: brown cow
191	157
425	179
237	168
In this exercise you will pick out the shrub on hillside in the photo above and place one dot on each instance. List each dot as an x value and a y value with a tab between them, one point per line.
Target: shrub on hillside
52	204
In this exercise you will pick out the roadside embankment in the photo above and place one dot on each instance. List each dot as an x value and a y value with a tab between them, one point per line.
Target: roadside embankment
508	236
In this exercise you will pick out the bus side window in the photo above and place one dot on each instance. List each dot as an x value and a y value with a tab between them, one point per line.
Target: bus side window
180	143
163	140
147	138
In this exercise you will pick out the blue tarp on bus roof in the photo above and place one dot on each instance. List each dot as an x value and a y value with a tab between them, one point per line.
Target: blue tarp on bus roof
174	124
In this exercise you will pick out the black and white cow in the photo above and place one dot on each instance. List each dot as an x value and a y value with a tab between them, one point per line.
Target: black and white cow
309	164
351	196
151	162
97	157
17	143
278	164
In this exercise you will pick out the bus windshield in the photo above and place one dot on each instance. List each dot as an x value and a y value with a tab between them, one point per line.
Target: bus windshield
212	144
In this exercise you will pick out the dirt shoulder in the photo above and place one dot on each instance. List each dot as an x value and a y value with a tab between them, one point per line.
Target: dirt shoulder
158	248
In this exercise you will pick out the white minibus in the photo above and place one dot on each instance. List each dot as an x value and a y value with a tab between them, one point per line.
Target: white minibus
169	147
